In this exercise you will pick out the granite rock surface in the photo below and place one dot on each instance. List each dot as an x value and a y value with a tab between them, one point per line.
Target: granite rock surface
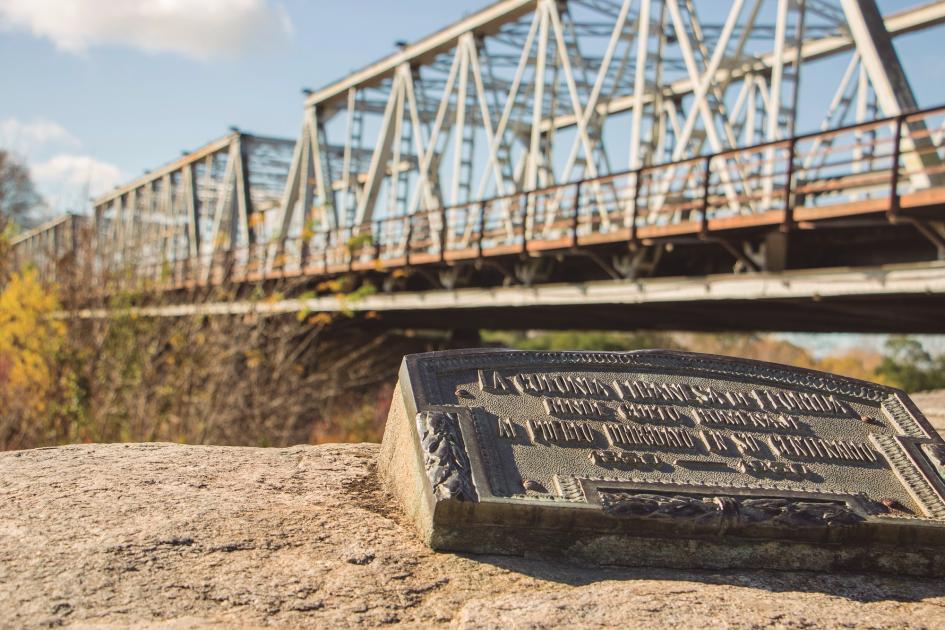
932	405
170	536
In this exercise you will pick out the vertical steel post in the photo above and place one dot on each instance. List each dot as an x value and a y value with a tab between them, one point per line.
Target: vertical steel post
377	241
575	219
443	234
409	219
525	221
305	248
349	249
325	250
482	227
706	179
788	224
894	175
638	175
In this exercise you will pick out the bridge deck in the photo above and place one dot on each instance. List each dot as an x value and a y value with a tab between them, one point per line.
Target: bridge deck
891	298
924	202
652	247
809	182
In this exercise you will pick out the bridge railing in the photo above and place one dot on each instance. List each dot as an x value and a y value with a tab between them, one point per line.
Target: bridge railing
883	166
57	250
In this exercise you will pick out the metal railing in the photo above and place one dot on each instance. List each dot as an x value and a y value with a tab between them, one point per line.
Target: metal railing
882	166
56	249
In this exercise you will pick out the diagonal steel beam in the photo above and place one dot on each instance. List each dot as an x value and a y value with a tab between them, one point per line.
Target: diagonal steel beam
900	23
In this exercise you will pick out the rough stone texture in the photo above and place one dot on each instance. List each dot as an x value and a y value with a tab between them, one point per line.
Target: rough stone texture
932	405
183	537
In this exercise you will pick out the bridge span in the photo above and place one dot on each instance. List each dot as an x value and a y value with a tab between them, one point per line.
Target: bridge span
892	299
470	179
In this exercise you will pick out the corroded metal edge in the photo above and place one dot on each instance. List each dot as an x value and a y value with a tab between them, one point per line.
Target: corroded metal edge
723	511
662	361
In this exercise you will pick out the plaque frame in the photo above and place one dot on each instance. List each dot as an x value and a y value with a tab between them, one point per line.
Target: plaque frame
448	495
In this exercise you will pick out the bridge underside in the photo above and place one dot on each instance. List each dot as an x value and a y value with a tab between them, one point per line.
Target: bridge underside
891	299
909	314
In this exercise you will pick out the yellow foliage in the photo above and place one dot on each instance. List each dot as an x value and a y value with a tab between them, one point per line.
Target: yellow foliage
757	347
335	285
320	319
254	358
856	363
29	344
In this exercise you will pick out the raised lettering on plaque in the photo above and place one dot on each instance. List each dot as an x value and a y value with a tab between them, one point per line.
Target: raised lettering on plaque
659	457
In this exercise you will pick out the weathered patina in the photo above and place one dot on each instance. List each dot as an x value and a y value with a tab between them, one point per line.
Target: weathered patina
664	458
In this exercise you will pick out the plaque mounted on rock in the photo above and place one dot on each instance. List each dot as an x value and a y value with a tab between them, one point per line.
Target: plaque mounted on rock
664	458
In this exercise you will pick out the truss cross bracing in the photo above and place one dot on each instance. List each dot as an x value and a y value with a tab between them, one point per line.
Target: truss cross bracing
527	94
551	125
211	203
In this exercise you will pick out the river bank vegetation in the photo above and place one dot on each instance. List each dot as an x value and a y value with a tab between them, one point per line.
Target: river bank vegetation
278	381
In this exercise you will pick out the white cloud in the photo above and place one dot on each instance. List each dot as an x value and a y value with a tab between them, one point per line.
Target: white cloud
27	137
67	181
64	177
196	28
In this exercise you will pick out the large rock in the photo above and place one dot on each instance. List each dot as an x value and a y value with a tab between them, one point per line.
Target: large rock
932	405
189	536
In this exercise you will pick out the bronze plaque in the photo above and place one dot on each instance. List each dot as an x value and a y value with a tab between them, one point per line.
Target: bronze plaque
663	457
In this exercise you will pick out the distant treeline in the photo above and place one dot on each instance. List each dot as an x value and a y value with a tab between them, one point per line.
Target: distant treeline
903	361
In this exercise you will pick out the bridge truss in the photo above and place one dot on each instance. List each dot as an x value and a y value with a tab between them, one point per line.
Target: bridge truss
217	199
55	248
527	94
597	136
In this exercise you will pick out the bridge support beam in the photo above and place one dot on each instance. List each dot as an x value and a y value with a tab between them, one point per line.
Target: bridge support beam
893	91
876	49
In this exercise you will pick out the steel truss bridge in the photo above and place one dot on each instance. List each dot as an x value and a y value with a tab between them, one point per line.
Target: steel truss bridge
579	163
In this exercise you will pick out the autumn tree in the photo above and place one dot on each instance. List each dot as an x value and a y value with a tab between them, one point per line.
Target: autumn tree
907	364
17	198
32	372
17	194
